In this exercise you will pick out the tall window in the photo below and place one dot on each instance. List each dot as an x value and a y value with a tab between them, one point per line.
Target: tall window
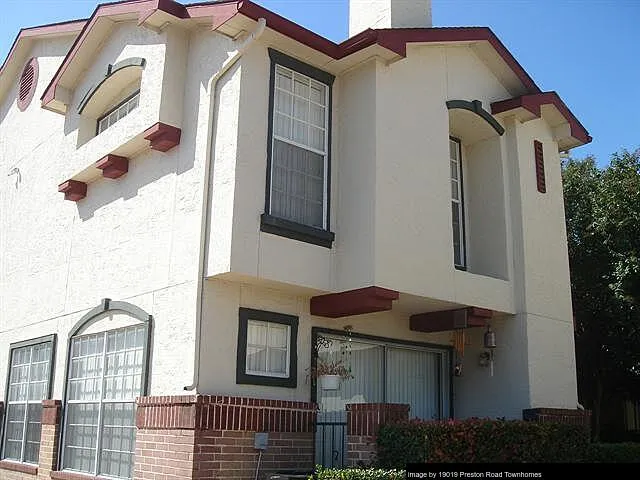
457	203
105	375
298	176
29	384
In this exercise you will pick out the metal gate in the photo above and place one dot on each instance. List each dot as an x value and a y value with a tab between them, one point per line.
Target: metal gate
331	439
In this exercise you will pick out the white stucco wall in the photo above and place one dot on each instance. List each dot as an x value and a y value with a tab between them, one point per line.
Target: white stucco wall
133	239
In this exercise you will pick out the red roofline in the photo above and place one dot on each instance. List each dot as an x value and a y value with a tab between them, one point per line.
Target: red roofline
69	26
532	103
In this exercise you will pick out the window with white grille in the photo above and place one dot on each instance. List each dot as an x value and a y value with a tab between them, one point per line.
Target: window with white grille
29	384
106	373
268	348
299	155
457	203
119	112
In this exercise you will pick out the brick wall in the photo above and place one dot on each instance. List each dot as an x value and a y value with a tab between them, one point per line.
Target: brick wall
558	415
198	437
363	421
48	447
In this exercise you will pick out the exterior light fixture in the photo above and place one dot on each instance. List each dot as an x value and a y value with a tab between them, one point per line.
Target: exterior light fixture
486	358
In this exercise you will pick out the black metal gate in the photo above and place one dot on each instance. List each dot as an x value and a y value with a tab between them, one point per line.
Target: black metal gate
331	439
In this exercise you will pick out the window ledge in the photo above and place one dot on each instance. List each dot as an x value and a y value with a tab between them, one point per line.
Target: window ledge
296	231
67	475
19	467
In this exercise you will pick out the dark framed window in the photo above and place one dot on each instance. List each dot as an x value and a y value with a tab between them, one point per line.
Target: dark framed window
298	157
107	369
28	383
457	204
118	112
267	348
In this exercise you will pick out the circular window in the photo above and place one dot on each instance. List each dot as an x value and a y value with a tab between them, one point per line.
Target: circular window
27	84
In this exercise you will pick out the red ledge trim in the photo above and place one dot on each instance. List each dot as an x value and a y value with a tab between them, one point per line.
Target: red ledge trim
163	137
532	103
353	302
18	467
113	166
73	190
446	320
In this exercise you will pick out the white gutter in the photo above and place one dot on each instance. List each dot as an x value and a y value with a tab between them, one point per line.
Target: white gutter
234	56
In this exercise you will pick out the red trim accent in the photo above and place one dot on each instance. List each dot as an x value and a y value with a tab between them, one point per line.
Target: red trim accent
18	467
118	8
221	412
532	103
538	154
450	319
113	166
73	190
353	302
163	137
50	29
24	99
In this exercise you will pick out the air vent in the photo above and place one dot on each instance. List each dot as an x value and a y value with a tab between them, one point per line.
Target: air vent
539	158
27	84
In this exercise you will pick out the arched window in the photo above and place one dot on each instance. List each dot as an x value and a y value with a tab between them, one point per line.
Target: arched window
107	370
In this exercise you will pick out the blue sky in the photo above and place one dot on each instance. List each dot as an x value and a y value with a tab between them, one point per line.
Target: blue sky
587	51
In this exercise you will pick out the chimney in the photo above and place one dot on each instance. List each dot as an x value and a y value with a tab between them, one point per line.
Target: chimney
365	14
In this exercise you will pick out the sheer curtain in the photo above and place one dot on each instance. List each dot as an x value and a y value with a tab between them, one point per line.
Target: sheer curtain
299	150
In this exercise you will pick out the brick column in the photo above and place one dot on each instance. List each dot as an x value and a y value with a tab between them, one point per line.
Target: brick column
203	437
363	421
49	437
558	415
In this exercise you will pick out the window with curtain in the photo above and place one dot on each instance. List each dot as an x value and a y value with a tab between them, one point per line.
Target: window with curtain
299	148
457	203
299	151
106	373
29	383
267	348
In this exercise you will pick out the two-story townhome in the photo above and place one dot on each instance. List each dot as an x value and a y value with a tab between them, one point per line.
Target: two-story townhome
202	203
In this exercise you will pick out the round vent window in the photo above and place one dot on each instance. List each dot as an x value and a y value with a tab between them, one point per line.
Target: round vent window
27	84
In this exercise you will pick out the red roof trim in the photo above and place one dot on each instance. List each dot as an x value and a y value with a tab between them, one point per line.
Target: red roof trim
394	40
107	9
49	29
532	103
353	302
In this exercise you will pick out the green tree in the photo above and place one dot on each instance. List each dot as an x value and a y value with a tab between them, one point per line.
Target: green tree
602	208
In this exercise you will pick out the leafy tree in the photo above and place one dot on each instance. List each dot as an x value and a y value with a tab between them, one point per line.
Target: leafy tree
602	208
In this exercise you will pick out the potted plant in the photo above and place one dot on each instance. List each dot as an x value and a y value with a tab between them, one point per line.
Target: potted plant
328	371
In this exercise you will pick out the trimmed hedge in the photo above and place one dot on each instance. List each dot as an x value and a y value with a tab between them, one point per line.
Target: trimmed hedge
480	441
614	452
357	474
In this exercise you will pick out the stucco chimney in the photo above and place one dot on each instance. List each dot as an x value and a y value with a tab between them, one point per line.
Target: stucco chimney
365	14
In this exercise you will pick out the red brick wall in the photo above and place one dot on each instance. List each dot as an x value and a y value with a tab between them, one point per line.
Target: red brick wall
363	421
558	415
198	437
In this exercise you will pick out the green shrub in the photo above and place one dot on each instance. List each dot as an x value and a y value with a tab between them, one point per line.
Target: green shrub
614	452
357	474
480	441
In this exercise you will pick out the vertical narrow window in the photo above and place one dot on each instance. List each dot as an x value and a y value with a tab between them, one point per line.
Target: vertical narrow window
457	203
299	149
105	375
29	384
297	193
539	158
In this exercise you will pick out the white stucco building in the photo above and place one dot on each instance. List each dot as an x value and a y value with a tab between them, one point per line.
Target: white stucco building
199	201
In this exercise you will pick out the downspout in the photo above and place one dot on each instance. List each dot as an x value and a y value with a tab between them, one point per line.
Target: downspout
241	47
